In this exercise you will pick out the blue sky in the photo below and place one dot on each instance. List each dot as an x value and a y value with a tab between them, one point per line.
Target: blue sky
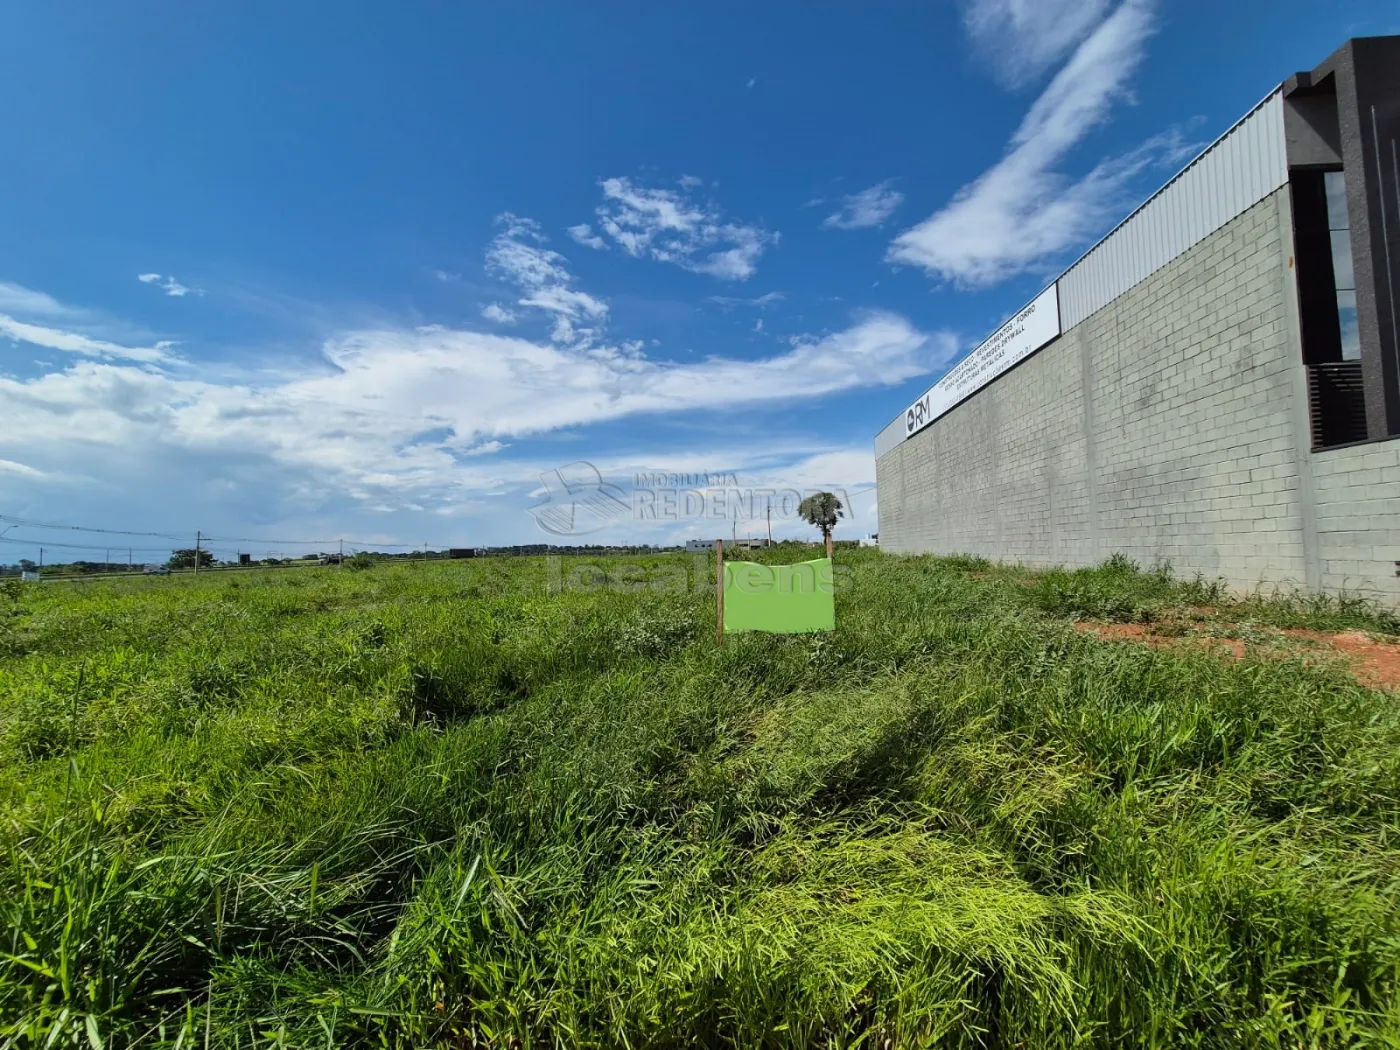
368	270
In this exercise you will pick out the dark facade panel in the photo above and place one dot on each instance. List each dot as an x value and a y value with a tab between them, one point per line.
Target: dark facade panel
1361	81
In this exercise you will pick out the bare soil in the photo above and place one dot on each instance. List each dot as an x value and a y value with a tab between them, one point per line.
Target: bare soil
1374	662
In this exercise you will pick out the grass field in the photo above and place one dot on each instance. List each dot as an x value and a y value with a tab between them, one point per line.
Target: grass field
438	805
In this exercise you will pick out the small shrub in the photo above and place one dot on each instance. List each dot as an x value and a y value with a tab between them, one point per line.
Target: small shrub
13	617
657	635
965	562
1200	592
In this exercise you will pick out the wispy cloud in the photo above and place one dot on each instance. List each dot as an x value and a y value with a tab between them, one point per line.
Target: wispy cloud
26	302
77	343
869	207
168	284
1023	213
356	423
518	255
486	448
498	313
1023	38
9	466
762	302
584	235
670	226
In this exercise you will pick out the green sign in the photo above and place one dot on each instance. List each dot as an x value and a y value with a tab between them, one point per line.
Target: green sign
783	599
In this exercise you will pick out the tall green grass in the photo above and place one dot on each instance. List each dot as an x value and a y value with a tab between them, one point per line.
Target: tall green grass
438	805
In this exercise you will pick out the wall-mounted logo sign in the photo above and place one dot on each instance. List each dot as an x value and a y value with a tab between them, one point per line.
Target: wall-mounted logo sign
1034	326
917	414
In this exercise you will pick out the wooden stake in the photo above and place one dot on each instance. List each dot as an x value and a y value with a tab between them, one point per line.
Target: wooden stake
719	592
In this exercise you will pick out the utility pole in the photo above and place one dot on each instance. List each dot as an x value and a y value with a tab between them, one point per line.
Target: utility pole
770	521
719	592
128	559
341	564
107	560
197	537
41	559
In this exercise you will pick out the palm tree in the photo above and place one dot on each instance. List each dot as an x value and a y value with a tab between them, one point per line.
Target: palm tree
821	509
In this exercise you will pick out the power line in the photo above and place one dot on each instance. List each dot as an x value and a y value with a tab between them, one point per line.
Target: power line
182	536
312	543
77	546
81	528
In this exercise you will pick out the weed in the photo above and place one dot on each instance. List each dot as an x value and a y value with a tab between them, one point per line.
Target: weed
438	805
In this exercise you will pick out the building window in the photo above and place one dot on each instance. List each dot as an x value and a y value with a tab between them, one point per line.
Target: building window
1343	276
1327	304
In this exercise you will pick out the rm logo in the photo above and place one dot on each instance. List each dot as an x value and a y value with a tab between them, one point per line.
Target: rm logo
918	414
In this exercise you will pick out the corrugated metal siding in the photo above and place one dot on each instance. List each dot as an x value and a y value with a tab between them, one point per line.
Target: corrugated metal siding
890	437
1243	167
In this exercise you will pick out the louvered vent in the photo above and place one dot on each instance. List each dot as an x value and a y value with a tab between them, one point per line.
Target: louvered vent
1337	403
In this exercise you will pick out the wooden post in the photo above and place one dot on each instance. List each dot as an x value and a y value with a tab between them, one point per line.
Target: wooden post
719	592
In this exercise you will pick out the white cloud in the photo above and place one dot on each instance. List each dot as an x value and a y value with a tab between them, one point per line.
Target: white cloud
356	425
167	284
16	299
761	302
9	466
667	225
486	448
498	313
869	207
752	81
1024	38
77	343
1022	213
446	276
583	233
518	255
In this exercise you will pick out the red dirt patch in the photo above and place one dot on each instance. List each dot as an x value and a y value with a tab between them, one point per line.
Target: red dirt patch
1375	664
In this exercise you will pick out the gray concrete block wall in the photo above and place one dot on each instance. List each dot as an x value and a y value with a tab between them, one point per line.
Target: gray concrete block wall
1358	518
1170	426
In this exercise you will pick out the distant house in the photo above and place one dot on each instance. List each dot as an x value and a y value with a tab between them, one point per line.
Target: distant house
695	546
